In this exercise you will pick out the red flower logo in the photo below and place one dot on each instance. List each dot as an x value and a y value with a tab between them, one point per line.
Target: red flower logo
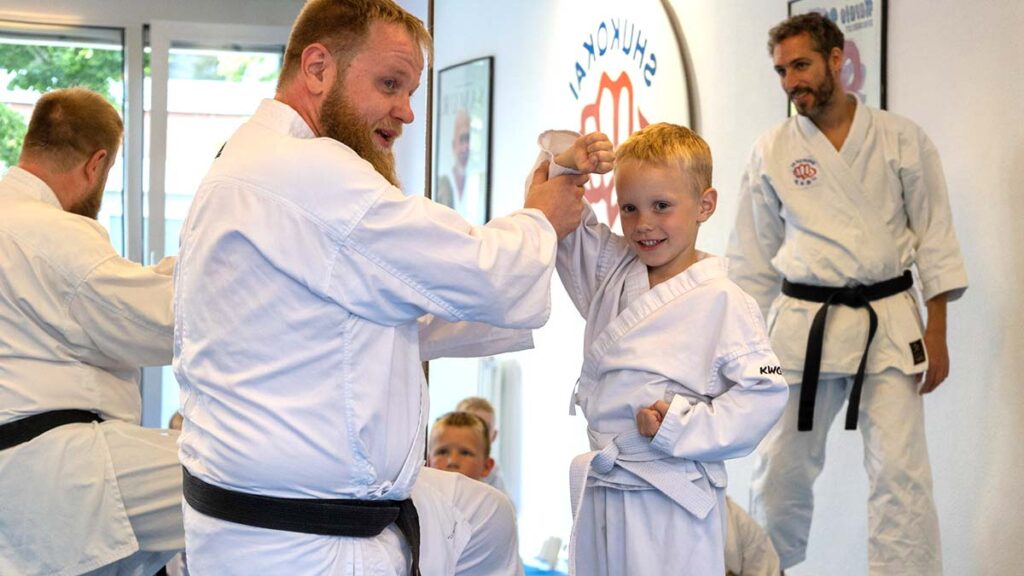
618	128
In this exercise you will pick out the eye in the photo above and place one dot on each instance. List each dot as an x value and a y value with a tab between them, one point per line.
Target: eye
662	206
780	70
627	208
390	84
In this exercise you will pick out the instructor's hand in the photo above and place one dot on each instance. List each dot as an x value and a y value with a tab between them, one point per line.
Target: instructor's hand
938	362
560	199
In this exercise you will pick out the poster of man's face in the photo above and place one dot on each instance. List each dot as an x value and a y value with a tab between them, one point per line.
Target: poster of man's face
462	145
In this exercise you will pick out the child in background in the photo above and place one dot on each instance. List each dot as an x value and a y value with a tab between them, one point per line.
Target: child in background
677	373
482	409
461	442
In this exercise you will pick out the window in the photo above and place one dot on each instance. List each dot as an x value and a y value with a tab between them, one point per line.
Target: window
36	58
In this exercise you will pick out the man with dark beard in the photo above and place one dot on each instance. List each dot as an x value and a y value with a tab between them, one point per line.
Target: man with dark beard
83	488
838	204
308	290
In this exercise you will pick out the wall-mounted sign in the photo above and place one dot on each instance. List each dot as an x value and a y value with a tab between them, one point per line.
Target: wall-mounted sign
623	68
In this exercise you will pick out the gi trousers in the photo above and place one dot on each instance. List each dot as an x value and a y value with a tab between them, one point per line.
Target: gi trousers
903	529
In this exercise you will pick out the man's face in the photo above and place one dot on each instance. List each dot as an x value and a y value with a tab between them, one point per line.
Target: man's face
806	76
368	104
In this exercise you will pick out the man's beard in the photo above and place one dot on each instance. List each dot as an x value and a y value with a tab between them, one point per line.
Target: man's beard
822	98
339	121
89	206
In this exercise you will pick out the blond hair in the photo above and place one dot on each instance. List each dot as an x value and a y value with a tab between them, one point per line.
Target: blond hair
459	419
342	26
475	404
663	143
69	125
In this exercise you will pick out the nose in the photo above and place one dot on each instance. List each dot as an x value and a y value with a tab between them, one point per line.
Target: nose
403	111
644	222
789	80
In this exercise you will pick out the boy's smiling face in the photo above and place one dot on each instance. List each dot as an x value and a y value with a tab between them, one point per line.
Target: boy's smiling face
661	214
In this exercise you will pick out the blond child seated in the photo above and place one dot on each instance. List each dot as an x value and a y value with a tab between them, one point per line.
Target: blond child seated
482	409
677	373
461	442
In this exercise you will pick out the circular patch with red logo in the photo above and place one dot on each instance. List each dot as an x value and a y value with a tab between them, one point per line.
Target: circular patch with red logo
805	171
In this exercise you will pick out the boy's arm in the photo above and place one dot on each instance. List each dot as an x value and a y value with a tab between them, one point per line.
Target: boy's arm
733	423
588	252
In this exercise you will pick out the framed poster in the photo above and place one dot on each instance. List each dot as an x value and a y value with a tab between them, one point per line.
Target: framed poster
863	23
462	158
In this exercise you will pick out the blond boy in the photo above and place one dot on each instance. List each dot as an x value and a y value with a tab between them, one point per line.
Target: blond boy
461	442
677	372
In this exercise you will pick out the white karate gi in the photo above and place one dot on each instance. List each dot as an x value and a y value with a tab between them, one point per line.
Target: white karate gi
76	323
860	215
748	550
468	528
696	341
301	278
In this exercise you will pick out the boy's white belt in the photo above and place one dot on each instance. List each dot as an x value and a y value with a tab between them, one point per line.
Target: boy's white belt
690	487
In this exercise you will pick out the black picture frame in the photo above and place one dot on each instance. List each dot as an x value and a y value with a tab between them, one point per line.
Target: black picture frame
463	138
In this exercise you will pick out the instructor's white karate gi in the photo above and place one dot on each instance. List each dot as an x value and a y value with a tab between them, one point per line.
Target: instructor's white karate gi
656	506
76	323
860	215
301	279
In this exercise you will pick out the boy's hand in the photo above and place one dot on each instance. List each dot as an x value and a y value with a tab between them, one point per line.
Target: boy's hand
648	420
590	154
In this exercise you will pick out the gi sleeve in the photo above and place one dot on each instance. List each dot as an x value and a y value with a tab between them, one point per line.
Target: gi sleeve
120	314
756	237
398	258
732	424
926	200
442	339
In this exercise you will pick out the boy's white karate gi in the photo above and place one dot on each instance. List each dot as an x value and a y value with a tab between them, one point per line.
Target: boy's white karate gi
860	215
645	506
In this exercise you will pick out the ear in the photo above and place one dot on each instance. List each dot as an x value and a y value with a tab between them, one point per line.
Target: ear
488	466
494	435
96	166
317	68
835	60
708	203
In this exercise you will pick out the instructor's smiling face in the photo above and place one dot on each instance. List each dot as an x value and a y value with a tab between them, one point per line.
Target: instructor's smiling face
366	108
807	77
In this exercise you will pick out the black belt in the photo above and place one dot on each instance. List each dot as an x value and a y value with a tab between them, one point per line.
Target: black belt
856	297
327	517
21	431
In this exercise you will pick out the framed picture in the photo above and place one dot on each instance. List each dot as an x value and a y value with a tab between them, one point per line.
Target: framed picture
462	147
864	25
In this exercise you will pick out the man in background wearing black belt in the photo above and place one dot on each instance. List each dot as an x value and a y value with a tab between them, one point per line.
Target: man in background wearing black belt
838	204
83	488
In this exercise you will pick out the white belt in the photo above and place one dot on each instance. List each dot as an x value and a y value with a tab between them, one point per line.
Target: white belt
633	452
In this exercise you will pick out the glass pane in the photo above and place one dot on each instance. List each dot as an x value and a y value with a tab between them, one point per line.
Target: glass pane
36	59
210	93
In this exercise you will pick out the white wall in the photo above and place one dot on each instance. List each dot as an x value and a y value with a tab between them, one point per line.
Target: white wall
954	67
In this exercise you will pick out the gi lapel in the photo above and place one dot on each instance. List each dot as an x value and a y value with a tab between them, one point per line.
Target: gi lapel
875	237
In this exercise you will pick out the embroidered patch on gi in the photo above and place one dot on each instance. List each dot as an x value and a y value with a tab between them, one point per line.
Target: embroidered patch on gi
917	350
805	171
